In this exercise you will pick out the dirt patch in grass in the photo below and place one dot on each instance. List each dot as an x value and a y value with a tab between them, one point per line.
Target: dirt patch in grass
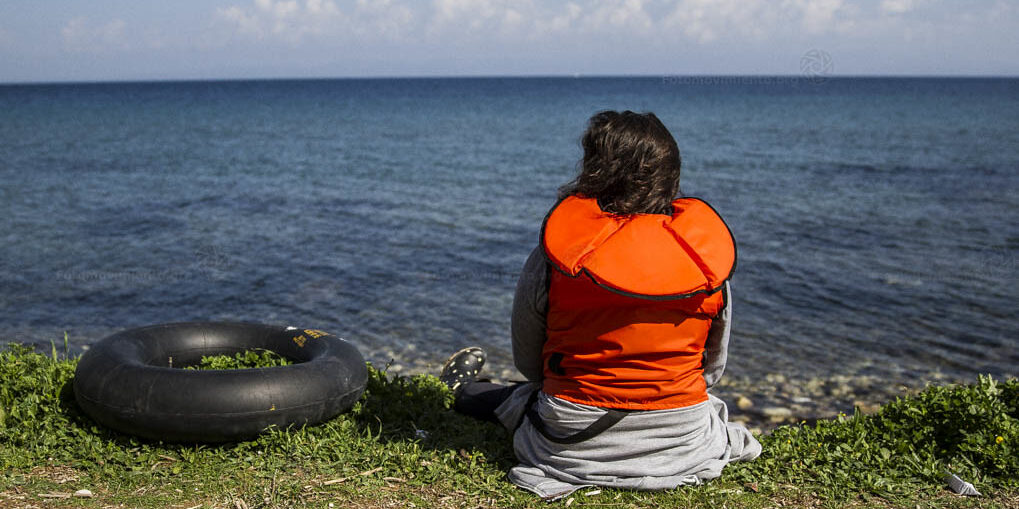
56	474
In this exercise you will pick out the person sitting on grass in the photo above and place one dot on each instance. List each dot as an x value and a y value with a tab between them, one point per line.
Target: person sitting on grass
620	324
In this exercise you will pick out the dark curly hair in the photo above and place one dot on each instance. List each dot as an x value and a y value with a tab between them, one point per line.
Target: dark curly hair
631	164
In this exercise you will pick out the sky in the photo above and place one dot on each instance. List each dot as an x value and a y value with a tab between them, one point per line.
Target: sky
114	40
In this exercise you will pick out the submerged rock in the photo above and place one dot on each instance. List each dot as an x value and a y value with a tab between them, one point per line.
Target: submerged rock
777	413
744	403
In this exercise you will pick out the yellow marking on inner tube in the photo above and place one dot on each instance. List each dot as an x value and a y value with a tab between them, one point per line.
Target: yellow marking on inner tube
300	340
273	409
315	333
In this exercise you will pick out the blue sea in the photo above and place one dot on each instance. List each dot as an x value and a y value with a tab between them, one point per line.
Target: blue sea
877	219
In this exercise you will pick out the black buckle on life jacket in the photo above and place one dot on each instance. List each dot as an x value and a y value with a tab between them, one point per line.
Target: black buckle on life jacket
554	364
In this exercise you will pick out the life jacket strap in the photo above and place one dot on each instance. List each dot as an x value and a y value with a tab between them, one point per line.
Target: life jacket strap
611	417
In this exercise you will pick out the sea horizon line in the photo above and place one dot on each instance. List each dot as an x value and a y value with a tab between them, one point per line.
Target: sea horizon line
673	78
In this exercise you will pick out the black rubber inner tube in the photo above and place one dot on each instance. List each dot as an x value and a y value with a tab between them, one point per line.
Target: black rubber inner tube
132	381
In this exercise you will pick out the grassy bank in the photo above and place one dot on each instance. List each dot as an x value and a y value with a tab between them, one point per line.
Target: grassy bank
400	446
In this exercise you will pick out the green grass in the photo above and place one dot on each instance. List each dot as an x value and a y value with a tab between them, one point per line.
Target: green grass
242	360
401	445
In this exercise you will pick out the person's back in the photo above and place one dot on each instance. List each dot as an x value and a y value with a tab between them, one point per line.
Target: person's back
631	303
620	324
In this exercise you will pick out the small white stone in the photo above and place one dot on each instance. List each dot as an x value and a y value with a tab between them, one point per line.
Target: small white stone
83	494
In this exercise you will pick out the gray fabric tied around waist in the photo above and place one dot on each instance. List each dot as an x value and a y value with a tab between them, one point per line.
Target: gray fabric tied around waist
648	450
611	417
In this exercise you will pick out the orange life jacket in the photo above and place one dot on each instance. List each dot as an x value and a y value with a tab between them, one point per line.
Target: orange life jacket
631	302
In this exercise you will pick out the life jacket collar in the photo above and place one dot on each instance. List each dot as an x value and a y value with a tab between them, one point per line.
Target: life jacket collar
655	256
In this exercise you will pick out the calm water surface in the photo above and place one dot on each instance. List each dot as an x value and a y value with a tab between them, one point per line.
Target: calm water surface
876	218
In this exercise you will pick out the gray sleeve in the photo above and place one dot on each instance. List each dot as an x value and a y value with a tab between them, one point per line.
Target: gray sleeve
530	308
716	348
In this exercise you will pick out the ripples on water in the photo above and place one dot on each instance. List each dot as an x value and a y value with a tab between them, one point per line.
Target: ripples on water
876	218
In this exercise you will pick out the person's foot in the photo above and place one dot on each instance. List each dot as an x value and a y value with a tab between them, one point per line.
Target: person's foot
462	368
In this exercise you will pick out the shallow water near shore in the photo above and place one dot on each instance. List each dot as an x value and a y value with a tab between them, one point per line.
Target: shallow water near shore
875	218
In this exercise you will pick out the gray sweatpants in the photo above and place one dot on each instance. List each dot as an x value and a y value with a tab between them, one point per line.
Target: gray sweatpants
649	450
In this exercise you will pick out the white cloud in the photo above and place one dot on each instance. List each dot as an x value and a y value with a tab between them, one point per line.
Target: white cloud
287	20
455	21
466	32
617	14
383	18
296	21
706	21
533	20
819	15
242	20
899	6
562	22
481	16
80	35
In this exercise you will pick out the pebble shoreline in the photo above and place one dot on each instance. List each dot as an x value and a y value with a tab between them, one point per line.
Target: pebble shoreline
761	403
